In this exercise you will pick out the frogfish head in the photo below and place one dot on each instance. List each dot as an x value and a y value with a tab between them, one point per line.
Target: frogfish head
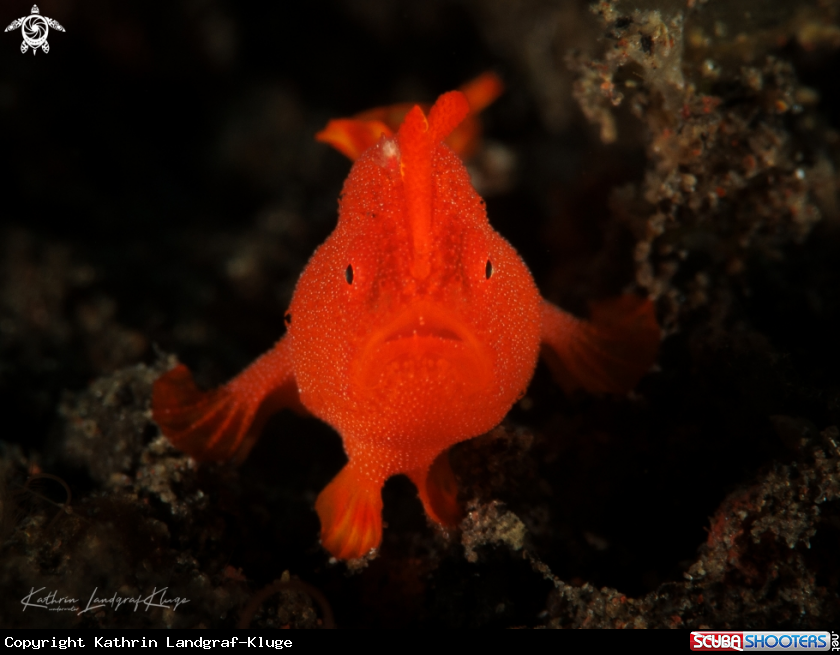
424	303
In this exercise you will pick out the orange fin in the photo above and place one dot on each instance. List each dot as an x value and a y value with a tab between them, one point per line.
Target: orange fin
438	491
446	114
418	137
480	93
350	509
609	353
224	423
208	425
352	136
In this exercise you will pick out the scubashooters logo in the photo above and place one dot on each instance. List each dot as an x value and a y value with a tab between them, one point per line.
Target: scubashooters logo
35	28
146	642
760	641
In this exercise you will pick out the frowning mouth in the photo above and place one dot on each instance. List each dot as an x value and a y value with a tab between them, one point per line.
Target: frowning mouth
426	323
426	345
423	330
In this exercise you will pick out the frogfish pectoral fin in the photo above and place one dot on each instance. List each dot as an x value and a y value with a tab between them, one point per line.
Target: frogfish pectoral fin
609	353
438	491
224	424
350	510
208	425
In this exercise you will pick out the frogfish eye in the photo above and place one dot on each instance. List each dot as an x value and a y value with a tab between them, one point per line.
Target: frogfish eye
348	274
488	270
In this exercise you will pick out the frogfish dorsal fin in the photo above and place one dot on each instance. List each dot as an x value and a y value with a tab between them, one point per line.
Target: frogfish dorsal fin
418	137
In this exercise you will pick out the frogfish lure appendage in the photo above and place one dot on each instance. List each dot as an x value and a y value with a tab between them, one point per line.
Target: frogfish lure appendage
416	348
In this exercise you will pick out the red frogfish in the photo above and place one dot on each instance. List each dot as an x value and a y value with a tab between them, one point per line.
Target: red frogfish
413	327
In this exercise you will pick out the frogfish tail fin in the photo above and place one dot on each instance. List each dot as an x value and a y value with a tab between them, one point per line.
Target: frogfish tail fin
352	136
608	353
350	510
438	491
482	91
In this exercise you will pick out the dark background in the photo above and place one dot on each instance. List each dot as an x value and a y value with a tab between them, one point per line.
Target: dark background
161	191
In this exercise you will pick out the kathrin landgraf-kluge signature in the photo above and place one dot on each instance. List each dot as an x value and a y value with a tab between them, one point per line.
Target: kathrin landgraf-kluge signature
55	603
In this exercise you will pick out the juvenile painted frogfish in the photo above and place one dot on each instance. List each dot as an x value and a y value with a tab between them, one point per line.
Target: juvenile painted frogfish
413	327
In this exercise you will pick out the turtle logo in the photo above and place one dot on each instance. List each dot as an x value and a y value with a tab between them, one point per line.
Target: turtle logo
35	28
